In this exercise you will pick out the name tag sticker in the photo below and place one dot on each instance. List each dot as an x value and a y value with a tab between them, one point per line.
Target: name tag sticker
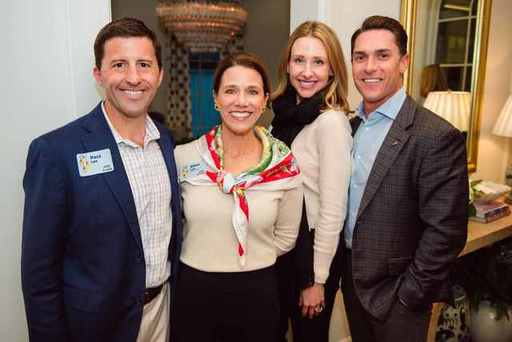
93	163
192	170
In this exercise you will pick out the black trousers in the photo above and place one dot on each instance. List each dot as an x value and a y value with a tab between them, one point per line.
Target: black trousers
226	307
290	286
400	324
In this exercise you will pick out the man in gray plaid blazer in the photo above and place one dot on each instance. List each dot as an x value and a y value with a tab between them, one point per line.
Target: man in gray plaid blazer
408	196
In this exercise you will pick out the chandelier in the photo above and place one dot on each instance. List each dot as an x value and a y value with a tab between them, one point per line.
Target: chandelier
202	25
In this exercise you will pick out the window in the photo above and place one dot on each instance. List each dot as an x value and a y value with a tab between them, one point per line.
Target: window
456	24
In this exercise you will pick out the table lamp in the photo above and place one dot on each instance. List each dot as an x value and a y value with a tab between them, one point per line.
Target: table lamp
453	106
503	127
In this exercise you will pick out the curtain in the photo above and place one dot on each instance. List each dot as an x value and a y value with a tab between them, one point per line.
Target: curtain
179	109
179	117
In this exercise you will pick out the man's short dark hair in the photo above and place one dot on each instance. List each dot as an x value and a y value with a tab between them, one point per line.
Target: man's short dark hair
378	22
125	28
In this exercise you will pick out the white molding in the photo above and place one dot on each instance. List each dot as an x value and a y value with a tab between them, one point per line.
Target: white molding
302	10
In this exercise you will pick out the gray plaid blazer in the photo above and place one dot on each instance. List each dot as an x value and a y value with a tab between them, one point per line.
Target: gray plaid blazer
412	221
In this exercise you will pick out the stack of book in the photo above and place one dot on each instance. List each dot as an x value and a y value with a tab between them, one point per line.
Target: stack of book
491	211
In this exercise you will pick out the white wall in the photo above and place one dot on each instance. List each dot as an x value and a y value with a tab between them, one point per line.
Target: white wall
302	10
47	61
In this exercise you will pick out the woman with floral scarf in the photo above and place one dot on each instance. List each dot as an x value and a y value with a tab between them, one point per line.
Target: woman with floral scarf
242	200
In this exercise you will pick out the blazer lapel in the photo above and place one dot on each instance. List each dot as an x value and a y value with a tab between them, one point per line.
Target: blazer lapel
391	146
166	146
100	137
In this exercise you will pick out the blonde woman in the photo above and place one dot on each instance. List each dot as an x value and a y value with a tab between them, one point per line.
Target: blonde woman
310	106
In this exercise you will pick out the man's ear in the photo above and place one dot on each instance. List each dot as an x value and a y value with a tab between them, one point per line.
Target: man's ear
404	63
161	76
96	72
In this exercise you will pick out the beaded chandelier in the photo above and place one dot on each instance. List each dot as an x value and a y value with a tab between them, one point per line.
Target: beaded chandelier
202	25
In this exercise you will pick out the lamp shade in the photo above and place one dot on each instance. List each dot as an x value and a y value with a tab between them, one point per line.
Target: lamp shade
503	125
453	106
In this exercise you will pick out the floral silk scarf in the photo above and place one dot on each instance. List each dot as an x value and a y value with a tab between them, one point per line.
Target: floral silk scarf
277	170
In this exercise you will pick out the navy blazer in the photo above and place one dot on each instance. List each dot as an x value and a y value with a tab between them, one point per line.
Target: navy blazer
82	264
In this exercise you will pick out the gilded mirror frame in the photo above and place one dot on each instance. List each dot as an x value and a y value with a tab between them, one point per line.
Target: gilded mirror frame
408	13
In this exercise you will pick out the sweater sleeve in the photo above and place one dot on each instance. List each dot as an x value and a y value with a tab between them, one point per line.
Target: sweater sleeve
334	144
288	220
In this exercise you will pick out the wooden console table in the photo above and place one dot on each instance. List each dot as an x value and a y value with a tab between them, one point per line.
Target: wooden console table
479	235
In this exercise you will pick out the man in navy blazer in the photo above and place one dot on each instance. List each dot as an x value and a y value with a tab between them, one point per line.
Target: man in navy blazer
102	219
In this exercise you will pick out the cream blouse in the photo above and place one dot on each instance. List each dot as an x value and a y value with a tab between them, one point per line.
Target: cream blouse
323	152
209	242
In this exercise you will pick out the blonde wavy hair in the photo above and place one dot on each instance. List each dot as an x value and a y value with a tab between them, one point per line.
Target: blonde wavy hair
337	87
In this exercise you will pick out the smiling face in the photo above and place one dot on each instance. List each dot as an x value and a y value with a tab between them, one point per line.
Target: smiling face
308	67
129	75
377	67
240	99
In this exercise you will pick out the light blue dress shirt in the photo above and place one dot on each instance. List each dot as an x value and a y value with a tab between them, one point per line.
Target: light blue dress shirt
367	142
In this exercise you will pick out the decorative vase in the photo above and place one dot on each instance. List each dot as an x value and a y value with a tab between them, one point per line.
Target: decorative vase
453	323
485	325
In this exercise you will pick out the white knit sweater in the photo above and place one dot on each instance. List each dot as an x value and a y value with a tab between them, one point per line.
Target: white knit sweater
322	150
209	242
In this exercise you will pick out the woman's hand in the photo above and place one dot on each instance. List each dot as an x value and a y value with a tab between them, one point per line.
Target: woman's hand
312	300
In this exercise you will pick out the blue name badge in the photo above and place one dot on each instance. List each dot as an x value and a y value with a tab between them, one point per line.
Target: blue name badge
192	170
93	163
